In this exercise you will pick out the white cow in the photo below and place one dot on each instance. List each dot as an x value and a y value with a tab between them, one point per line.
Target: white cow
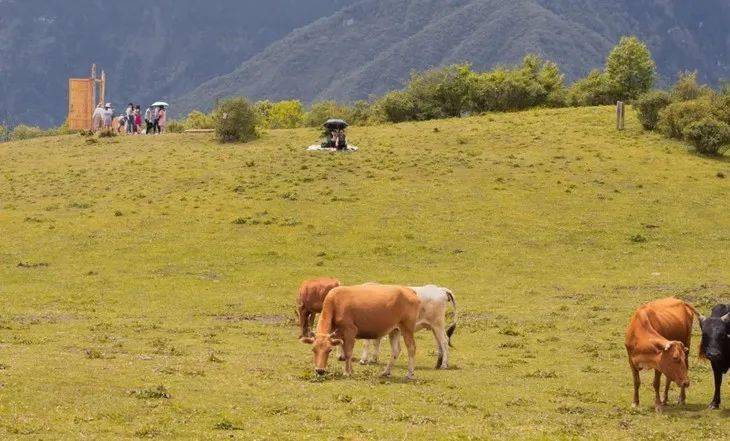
431	316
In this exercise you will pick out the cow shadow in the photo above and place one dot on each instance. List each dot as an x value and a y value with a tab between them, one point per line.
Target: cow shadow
677	410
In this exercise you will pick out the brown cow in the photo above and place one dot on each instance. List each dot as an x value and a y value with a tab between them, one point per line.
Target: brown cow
658	337
366	312
310	299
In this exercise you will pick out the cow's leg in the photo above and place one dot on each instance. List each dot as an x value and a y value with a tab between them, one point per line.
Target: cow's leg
637	383
375	354
341	351
683	390
310	323
442	345
715	403
303	321
665	399
348	346
410	342
394	351
657	385
365	351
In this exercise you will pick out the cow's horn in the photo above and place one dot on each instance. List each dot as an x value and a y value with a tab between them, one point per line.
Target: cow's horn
667	345
726	318
701	317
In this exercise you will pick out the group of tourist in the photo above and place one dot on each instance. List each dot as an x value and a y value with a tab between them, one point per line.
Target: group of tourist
131	120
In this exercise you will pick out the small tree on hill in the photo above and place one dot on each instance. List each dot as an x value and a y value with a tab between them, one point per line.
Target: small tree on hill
235	121
688	88
630	68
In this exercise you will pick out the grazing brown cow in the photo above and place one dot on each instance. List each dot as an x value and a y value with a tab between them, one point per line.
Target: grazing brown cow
658	338
310	300
366	312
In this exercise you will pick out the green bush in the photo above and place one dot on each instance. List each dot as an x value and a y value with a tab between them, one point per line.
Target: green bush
321	111
594	90
198	120
709	136
25	132
721	106
630	68
534	83
285	115
362	113
4	134
174	126
397	106
235	121
687	88
440	93
648	107
674	118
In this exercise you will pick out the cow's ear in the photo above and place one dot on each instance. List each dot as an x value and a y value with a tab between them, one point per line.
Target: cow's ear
335	341
307	340
726	318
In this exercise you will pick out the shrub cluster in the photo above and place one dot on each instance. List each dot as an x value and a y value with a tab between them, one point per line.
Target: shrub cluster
690	112
628	73
236	120
457	90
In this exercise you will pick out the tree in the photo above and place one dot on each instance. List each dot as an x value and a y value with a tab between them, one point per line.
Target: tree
630	68
286	115
235	121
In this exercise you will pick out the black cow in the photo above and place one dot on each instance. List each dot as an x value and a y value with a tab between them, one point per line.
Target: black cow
715	345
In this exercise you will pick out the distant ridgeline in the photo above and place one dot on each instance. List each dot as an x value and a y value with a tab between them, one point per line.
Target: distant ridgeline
373	46
191	53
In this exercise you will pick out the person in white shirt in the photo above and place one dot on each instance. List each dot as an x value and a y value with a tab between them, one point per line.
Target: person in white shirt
97	119
108	116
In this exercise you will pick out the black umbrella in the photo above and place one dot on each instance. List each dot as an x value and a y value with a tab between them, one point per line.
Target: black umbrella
335	124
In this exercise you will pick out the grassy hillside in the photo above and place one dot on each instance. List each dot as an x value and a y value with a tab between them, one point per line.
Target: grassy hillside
134	263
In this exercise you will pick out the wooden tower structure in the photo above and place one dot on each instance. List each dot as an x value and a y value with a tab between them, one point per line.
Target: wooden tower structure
83	95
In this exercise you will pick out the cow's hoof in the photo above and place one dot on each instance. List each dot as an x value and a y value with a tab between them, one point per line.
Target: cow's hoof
341	358
634	405
363	362
410	377
385	375
659	408
681	402
443	367
713	406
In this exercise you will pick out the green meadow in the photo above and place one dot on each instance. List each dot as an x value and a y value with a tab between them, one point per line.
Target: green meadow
147	284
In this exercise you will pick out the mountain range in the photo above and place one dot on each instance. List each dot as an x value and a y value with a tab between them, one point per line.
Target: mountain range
192	53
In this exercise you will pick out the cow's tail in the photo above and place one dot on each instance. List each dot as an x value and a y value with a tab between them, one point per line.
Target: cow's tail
696	314
452	328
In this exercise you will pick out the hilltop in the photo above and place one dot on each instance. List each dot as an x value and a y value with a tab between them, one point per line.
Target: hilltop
150	281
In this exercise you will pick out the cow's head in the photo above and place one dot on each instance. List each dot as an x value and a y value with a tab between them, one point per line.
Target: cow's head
322	345
714	336
673	362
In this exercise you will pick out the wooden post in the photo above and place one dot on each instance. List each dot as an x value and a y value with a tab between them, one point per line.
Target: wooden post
102	93
93	79
620	115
